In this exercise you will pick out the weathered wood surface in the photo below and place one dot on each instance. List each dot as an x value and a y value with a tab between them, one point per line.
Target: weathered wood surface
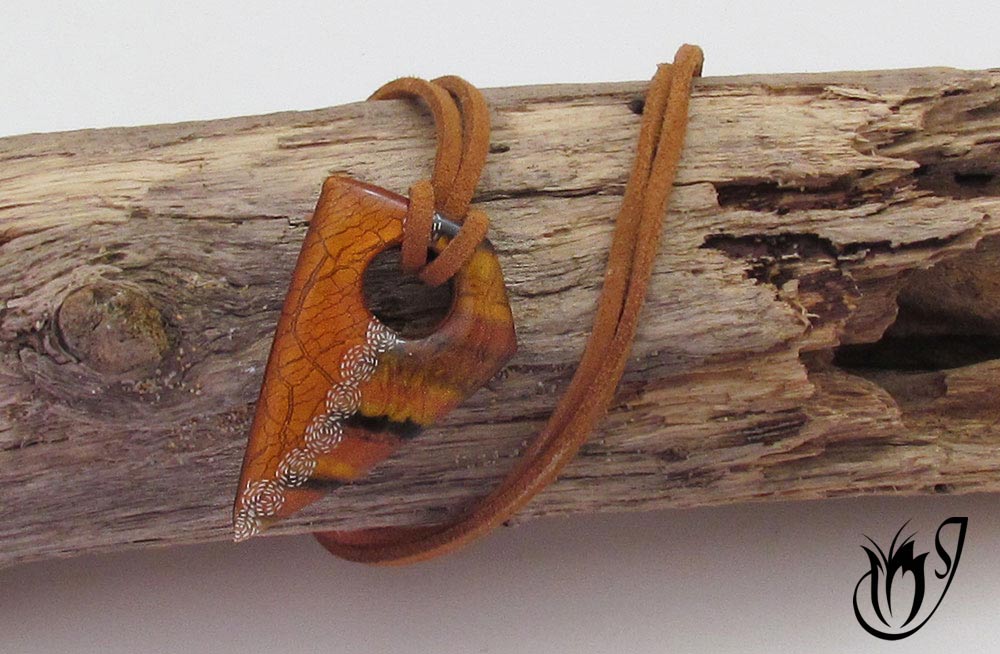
141	272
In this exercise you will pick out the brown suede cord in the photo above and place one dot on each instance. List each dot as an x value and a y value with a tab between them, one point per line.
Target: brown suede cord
630	263
462	120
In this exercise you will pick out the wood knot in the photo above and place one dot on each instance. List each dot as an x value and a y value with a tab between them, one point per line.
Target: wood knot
112	329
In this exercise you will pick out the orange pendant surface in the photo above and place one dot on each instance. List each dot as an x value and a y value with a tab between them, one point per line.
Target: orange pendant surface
341	390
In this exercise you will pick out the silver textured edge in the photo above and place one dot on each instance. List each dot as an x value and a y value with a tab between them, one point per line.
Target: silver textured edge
264	498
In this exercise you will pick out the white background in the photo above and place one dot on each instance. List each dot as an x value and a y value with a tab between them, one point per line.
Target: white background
762	578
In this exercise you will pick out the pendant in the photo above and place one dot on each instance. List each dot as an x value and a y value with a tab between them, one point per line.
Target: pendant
342	391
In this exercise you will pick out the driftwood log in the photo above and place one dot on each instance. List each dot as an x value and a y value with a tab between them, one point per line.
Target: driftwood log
824	319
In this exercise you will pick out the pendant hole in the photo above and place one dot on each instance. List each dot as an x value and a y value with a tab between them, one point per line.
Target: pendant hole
400	300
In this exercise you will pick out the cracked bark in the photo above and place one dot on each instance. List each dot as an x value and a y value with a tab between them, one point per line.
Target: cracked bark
823	319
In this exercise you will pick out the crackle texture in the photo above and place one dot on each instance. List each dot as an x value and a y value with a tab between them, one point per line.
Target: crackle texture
342	392
823	319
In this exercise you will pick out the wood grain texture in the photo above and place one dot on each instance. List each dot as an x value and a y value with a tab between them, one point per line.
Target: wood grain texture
823	320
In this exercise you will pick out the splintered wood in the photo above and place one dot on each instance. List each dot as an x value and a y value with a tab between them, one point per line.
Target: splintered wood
824	319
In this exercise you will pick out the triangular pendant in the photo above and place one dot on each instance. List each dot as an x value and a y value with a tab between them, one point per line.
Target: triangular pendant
341	390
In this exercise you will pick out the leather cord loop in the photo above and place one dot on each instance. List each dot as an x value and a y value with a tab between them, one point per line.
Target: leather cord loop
447	123
631	257
475	144
458	250
417	226
462	121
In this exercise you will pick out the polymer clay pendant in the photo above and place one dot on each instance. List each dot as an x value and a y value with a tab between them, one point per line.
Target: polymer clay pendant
342	391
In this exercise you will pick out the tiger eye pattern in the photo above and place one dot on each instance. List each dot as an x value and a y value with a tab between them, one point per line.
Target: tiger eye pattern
342	391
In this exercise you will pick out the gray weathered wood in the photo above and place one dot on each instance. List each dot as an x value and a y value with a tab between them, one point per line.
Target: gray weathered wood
141	272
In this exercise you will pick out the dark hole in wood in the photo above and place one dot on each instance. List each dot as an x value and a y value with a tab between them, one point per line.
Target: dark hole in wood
962	178
919	353
840	193
974	178
946	318
400	300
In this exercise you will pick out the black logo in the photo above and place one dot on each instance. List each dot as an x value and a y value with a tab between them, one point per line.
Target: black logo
880	604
